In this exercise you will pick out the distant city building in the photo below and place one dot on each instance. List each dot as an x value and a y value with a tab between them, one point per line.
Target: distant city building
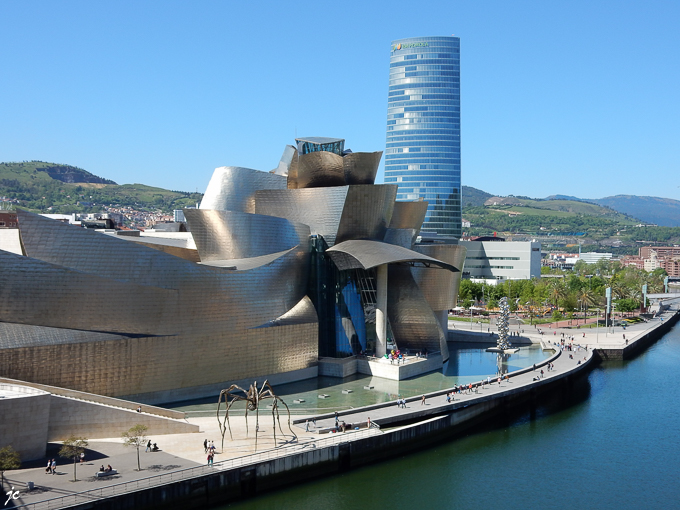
422	153
8	219
656	257
494	260
594	257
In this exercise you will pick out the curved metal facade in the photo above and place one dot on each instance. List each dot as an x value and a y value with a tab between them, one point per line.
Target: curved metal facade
197	315
320	169
413	322
440	288
367	254
231	188
361	167
102	314
226	235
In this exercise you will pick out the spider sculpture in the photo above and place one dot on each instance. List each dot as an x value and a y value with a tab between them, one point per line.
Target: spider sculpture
252	397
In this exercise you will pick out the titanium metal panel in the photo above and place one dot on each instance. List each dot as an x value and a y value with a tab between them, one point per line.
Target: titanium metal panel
218	312
366	254
413	322
225	235
440	288
231	188
219	297
24	335
320	208
303	313
361	167
42	294
288	158
320	170
400	236
409	215
367	212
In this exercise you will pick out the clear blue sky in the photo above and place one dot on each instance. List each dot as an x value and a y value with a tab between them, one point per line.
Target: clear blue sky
558	97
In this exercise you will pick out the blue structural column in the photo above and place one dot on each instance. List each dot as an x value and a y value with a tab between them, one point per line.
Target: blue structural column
381	311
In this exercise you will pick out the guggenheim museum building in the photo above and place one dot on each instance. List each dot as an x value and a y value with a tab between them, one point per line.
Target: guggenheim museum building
310	260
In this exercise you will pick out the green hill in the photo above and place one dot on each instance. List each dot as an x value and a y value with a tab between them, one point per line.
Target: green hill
51	187
473	197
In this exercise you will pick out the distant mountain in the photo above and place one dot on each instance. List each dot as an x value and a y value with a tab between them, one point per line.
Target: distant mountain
664	212
51	187
473	197
27	170
564	197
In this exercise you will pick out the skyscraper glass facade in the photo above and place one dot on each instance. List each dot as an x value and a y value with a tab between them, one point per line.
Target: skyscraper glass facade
422	154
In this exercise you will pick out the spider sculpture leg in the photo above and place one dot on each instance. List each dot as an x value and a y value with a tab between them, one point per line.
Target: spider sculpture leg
274	409
289	427
257	425
226	393
226	418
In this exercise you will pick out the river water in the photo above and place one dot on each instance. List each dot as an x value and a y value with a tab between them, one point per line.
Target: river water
613	441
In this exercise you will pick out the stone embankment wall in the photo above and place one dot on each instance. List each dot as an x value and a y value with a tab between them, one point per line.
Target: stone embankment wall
639	344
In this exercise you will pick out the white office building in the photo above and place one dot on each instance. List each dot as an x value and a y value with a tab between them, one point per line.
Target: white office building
501	260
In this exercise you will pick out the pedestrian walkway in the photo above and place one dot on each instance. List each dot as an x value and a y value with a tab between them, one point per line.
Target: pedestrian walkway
596	338
391	414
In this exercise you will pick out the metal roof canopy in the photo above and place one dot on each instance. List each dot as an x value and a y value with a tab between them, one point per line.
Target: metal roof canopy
366	254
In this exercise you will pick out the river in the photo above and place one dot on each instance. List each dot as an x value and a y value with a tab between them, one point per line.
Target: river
612	441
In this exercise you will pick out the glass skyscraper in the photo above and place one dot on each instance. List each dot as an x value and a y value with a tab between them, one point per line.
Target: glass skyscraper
422	154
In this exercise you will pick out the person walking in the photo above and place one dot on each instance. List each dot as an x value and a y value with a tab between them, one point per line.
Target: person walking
148	446
422	400
53	466
205	445
306	425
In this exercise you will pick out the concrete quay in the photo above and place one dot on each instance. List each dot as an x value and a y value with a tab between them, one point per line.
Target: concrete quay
178	477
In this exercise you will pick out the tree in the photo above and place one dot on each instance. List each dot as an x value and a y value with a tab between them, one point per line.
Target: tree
72	448
136	437
627	305
9	459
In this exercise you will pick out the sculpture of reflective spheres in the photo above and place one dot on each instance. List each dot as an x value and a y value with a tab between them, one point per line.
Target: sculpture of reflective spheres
288	272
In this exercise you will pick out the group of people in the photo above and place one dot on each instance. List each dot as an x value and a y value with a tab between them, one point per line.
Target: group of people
108	468
401	403
209	448
152	447
51	466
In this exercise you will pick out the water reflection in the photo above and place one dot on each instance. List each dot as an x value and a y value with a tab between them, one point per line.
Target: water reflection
469	362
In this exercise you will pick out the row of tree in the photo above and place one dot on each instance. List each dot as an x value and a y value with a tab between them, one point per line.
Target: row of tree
581	289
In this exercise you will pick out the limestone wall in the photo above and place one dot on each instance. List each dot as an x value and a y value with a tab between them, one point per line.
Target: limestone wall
24	414
69	416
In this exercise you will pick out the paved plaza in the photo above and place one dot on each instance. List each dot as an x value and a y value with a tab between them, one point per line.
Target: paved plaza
593	337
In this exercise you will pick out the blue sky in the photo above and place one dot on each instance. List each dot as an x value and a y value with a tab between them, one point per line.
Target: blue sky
557	97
